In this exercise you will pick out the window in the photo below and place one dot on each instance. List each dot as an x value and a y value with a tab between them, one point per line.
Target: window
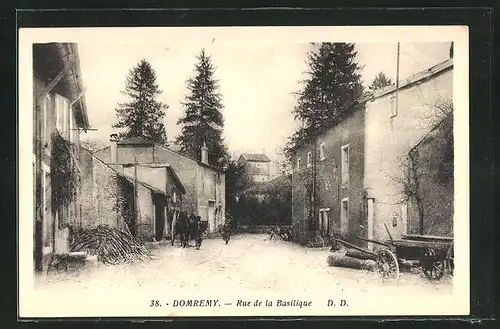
344	217
309	162
45	117
74	136
322	151
394	108
345	164
298	163
62	115
324	219
174	197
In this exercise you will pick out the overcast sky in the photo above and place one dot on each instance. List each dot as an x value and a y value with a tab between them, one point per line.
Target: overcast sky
256	81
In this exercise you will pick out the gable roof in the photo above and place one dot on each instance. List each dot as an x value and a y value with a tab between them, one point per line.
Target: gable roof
142	141
360	103
415	78
49	59
170	170
191	158
117	171
139	140
256	157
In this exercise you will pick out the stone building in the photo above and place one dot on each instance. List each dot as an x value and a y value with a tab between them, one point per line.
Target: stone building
204	184
147	198
257	166
347	179
59	116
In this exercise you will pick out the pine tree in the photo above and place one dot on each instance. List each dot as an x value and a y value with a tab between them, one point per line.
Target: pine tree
143	114
332	84
203	121
380	81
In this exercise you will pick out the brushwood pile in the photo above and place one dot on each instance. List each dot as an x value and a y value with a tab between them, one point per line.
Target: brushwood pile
111	245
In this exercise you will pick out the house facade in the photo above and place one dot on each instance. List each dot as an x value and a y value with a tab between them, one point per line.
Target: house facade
146	198
257	166
204	184
60	115
327	181
347	181
395	123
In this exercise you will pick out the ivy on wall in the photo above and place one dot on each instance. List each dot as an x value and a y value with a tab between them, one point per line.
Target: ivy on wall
126	203
64	177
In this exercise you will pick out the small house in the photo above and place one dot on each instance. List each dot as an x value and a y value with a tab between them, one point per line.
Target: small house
204	184
256	165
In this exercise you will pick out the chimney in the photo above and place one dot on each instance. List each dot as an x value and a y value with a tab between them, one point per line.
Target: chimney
204	153
451	50
113	138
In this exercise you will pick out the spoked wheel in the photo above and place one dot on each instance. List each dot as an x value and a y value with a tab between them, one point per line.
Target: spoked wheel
387	264
434	270
319	241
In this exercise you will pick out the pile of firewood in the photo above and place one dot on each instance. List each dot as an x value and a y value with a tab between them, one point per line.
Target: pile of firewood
112	246
338	259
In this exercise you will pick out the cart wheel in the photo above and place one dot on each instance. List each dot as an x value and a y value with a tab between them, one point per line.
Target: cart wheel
387	264
434	271
319	241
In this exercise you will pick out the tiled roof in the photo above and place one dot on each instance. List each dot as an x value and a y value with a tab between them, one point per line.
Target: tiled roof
257	157
136	141
142	141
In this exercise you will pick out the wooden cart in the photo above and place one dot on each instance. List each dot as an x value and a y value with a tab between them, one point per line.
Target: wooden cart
434	254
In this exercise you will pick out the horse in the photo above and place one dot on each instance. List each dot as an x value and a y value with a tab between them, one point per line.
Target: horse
181	227
201	229
189	228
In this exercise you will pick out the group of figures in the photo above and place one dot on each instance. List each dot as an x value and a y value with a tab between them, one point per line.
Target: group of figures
191	227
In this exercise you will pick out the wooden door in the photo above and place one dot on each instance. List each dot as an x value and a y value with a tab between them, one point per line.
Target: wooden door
159	218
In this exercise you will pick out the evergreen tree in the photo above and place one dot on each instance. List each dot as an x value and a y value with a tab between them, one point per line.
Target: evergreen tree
142	115
203	121
380	81
332	84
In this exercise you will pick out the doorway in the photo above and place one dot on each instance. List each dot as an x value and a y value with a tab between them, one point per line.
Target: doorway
211	216
344	217
159	205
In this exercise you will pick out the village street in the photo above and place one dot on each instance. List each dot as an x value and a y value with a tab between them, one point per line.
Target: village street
250	265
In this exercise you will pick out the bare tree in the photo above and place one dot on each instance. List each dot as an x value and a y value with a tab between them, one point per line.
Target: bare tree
412	175
409	183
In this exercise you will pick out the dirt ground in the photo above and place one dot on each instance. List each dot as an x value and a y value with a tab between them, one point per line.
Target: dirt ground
250	264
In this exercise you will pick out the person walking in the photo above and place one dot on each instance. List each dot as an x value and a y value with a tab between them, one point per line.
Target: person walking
226	231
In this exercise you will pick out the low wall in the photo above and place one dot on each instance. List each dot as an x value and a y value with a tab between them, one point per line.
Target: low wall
255	229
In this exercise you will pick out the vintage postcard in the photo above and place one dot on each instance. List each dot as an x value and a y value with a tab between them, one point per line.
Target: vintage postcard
243	171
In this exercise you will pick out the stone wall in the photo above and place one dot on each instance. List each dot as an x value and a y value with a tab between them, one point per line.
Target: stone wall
330	191
435	168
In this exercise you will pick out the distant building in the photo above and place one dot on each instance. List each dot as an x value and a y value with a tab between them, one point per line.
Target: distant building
257	166
204	183
346	180
59	116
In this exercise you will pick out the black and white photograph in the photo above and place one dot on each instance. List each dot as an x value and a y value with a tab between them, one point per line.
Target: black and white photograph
243	171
